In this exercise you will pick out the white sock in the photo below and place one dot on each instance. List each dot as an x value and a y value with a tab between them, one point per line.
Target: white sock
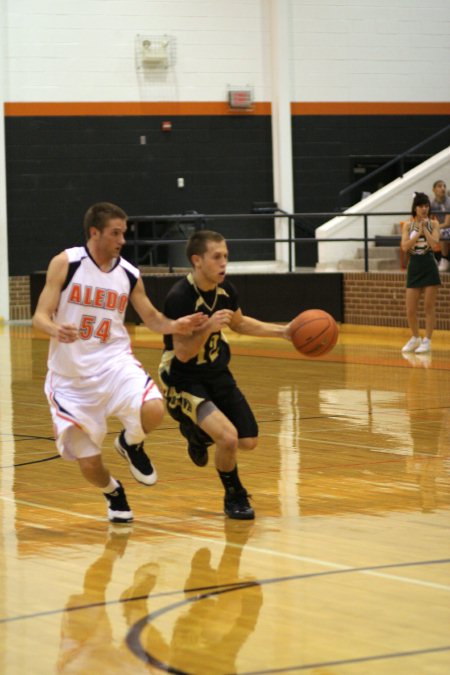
131	439
111	487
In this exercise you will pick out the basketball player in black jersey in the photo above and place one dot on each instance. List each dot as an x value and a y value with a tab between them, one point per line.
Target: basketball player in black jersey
200	391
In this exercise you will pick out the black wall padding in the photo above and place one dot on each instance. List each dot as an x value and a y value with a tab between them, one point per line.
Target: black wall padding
269	297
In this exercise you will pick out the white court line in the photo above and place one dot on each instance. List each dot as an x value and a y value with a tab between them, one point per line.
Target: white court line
255	549
344	444
395	453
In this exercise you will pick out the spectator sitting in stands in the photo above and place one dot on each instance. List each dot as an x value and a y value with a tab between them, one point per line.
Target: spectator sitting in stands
439	205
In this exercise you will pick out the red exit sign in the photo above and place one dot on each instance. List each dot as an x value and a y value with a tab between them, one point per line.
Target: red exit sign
240	98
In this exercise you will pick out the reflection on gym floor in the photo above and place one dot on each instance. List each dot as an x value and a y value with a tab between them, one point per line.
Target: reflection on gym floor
346	567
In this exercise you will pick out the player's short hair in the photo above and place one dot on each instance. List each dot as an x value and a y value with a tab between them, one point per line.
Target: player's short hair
198	242
420	199
439	181
98	216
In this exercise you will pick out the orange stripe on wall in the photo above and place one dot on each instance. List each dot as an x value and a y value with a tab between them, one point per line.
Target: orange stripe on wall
367	108
123	108
129	108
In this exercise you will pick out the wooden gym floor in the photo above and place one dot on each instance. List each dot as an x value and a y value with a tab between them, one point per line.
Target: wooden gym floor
346	569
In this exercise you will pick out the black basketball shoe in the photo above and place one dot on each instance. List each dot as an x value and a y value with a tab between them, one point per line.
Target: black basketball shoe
140	465
198	454
198	443
118	509
237	505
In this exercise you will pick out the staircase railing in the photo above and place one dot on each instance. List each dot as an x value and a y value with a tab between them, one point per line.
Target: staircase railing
399	159
137	243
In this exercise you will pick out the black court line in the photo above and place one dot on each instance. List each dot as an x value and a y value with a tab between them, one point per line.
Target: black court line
135	646
24	437
342	662
300	418
106	603
33	461
27	437
133	636
225	587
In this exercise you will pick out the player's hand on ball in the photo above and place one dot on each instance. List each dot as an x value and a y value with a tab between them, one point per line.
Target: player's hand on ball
287	331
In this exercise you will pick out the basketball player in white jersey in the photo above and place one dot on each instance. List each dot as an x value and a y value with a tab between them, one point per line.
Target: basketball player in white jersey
92	373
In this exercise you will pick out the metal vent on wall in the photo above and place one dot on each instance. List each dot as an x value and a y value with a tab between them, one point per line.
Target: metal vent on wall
154	52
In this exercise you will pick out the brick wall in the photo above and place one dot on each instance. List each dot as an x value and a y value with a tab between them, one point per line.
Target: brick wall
378	299
373	299
19	298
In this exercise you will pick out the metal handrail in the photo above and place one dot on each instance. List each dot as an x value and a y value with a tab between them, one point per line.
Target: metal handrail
258	216
391	162
290	239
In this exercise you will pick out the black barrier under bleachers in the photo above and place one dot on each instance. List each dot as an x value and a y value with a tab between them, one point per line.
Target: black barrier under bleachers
269	297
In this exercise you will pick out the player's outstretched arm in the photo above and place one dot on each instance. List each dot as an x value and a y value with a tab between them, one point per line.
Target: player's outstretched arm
247	325
49	300
157	321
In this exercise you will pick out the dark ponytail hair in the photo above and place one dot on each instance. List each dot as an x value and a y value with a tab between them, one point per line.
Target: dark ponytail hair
420	199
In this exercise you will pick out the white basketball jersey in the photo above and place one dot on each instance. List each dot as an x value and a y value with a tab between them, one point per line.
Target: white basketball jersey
95	301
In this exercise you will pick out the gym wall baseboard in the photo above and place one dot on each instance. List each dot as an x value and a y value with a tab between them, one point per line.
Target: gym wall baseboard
372	299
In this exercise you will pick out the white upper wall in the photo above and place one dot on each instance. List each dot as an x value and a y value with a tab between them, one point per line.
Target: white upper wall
84	50
371	50
343	50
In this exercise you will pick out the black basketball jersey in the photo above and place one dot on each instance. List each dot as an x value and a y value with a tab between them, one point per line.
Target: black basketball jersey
185	298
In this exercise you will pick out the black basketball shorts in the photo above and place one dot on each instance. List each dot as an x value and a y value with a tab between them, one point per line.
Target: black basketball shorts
183	402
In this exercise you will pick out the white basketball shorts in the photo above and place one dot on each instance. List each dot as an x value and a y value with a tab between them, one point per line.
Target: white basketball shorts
87	402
